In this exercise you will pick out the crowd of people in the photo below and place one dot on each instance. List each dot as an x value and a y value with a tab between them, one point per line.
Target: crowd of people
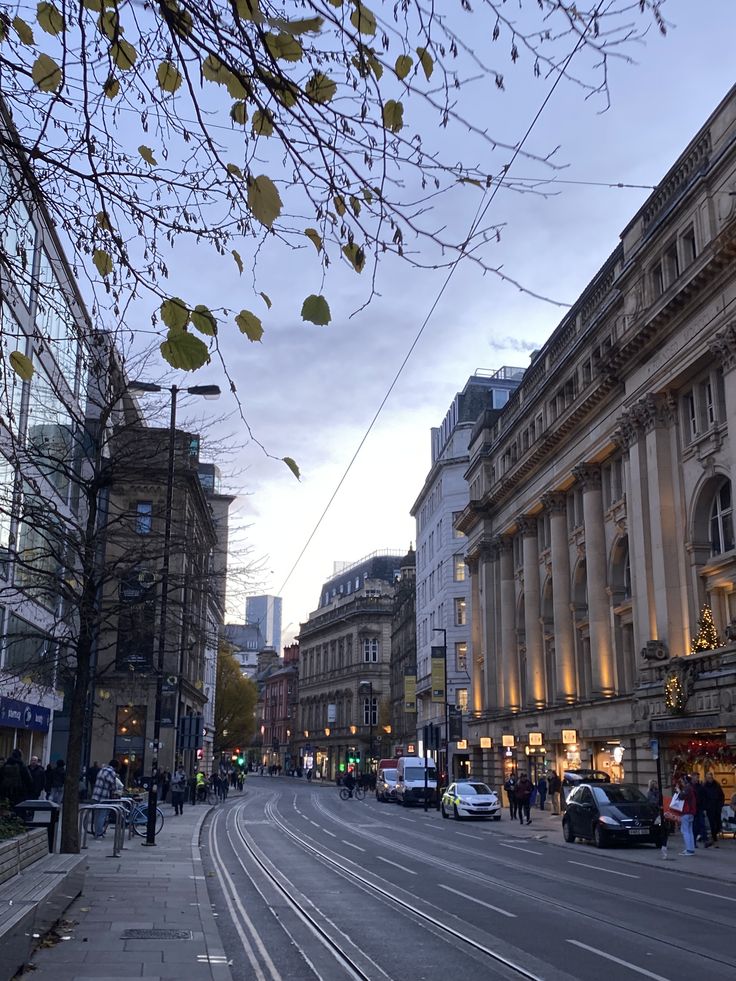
523	794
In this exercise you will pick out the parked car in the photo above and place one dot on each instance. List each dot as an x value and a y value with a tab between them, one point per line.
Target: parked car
386	785
468	798
610	812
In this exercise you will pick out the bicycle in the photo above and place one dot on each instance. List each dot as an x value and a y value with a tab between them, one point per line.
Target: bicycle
358	793
135	820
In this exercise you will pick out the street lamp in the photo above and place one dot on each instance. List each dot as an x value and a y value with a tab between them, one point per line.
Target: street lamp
208	392
441	630
369	686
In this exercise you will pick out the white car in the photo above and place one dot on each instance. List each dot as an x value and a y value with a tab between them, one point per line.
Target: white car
468	798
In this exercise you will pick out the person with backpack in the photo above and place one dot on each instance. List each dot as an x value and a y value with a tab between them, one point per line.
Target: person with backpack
16	783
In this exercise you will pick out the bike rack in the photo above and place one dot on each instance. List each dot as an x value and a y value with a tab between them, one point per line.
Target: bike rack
119	810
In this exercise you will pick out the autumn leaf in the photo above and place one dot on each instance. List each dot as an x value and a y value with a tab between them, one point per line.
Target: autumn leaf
174	313
250	325
46	73
204	320
239	113
355	256
97	5
147	153
21	365
316	310
109	24
238	260
264	200
339	203
111	88
320	88
235	171
249	10
169	77
24	32
363	20
213	69
102	221
50	19
266	299
102	261
262	124
403	66
314	237
123	54
426	62
283	47
393	115
184	351
355	205
291	464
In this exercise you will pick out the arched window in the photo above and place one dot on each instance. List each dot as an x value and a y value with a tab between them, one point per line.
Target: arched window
721	521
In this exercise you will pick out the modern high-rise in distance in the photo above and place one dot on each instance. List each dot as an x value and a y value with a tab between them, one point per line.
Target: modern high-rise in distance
266	612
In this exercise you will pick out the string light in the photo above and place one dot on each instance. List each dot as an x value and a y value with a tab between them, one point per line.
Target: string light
707	638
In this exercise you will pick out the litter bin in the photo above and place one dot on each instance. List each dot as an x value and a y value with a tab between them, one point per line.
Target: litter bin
39	814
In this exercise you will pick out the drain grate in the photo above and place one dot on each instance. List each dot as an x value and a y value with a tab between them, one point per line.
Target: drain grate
156	935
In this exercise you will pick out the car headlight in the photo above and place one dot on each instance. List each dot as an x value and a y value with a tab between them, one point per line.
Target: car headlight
611	822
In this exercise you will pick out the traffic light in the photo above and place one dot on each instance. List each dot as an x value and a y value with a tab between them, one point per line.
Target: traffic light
241	760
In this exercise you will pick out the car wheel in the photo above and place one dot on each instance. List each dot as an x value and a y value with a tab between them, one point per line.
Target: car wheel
600	838
444	812
496	817
457	813
567	832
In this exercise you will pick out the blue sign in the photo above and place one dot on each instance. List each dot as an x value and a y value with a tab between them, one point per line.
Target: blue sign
23	715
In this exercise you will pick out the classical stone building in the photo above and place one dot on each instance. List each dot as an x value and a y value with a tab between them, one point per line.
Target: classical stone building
344	679
600	517
404	659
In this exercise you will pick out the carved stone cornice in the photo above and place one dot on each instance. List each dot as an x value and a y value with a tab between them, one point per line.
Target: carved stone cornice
527	526
503	544
655	410
723	346
628	431
588	475
554	502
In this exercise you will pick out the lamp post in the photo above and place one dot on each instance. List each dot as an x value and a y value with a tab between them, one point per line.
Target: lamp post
210	392
441	630
369	686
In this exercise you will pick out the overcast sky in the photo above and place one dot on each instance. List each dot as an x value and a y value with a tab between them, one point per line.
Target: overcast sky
311	392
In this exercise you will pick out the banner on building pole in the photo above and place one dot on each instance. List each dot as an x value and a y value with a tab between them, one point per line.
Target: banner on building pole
438	674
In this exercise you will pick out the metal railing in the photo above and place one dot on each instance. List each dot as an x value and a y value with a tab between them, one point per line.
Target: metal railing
120	808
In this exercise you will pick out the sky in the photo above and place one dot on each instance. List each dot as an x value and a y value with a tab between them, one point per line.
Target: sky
311	392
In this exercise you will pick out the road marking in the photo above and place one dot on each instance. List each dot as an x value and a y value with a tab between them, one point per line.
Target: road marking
496	909
313	822
464	834
351	845
529	851
395	864
330	833
617	960
600	868
731	899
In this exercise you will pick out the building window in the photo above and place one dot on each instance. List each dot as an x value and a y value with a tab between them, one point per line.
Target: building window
455	532
370	649
143	518
370	711
460	611
721	521
461	699
687	247
458	568
657	275
461	656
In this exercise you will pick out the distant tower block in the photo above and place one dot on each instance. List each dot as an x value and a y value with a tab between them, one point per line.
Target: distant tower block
266	612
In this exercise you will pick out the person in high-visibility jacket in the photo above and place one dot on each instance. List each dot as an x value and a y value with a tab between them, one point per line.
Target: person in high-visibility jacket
201	786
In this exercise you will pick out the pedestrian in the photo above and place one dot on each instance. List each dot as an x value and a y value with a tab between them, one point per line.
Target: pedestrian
178	790
653	794
165	785
192	784
16	783
542	787
38	776
523	793
201	781
92	772
55	783
714	799
105	788
699	832
510	788
687	817
554	786
309	775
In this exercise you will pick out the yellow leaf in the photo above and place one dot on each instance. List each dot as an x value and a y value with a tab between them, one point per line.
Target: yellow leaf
316	310
169	76
112	87
249	10
50	19
147	153
174	313
339	204
235	170
102	221
46	73
266	299
180	20
283	91
393	115
23	31
109	24
367	196
425	59
314	237
21	365
249	325
236	89
363	20
239	113
103	262
403	66
355	256
335	3
291	464
96	5
123	54
213	69
262	125
184	351
264	200
204	321
320	88
283	47
375	66
238	260
307	25
355	205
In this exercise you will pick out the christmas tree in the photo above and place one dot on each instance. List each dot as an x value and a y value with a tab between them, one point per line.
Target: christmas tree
707	638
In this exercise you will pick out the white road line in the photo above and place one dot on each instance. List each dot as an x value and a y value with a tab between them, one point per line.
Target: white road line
731	899
529	851
351	845
496	909
313	822
600	868
330	833
395	864
466	835
617	960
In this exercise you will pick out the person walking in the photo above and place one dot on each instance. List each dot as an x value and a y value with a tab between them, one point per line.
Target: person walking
689	808
55	783
554	786
523	795
510	788
178	790
16	783
105	788
165	785
699	831
38	776
542	787
713	799
653	794
91	776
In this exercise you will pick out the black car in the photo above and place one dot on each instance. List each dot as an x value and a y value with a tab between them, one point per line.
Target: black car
573	778
609	812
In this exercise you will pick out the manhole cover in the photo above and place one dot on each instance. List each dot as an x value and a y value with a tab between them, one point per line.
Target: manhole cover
156	935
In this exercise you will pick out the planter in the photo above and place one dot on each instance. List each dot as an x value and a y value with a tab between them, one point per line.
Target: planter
18	853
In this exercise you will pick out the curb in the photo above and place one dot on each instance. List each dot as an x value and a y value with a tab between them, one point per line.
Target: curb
218	963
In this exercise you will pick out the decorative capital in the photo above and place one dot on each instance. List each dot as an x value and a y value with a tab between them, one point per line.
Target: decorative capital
527	526
554	502
628	431
655	411
588	476
723	346
503	544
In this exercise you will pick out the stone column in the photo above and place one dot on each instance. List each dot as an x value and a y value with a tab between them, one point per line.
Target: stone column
723	348
535	685
601	646
556	506
509	655
492	693
478	652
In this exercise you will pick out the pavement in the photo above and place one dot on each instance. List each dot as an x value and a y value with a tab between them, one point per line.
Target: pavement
163	889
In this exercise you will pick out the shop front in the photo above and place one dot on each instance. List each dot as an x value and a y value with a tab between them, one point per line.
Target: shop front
696	745
24	726
610	758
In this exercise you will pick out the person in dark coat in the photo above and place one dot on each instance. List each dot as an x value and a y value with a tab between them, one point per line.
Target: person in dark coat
55	782
542	791
713	801
699	832
91	776
554	786
510	788
38	775
16	783
523	794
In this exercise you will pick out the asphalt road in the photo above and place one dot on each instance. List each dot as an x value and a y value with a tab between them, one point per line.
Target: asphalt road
307	886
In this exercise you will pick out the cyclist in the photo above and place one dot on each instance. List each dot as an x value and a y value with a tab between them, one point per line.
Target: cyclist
348	781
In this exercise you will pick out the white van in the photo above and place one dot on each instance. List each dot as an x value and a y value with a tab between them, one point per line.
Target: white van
410	774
